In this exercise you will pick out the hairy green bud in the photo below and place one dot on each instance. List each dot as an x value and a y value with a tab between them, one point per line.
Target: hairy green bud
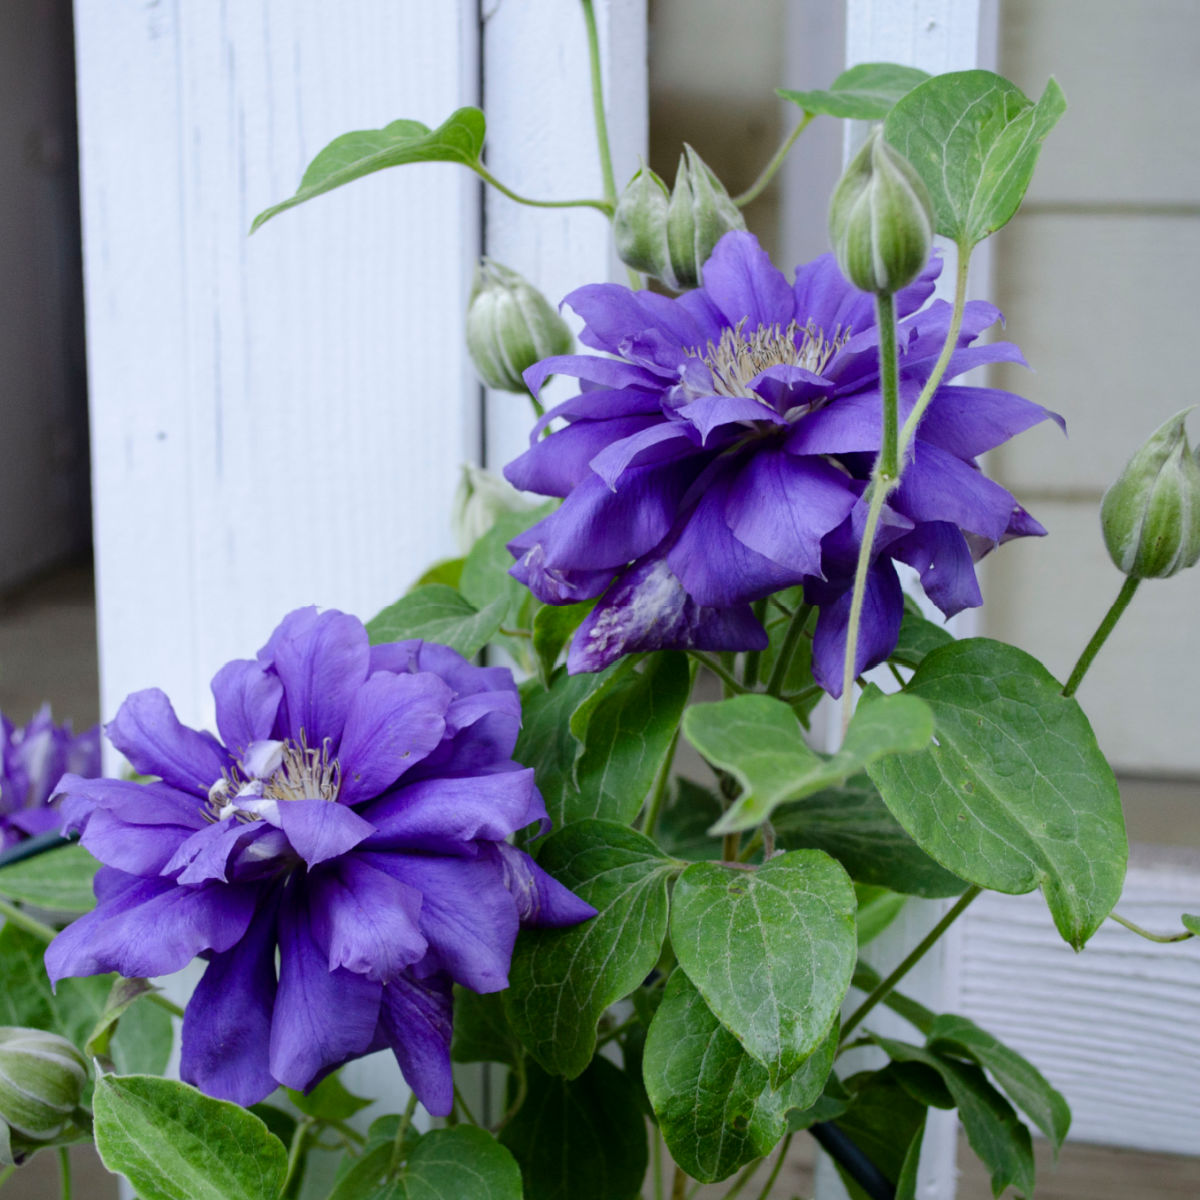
880	219
41	1079
699	215
510	326
640	224
1151	515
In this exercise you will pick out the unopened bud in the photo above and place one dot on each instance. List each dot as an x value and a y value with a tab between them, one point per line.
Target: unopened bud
510	326
1151	515
640	224
481	497
41	1080
880	219
699	215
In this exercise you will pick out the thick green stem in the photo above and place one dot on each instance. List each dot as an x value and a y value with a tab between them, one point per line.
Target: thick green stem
603	206
606	167
768	172
1119	605
791	640
64	1172
397	1159
915	955
887	465
1150	937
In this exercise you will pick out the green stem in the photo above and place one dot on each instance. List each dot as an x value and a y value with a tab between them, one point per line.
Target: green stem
5	1173
748	1173
727	677
791	640
406	1117
519	1099
659	795
64	1172
22	920
296	1151
1150	937
887	465
1111	618
606	167
885	987
849	673
656	1162
603	206
466	1112
679	1184
768	172
774	1175
754	657
730	846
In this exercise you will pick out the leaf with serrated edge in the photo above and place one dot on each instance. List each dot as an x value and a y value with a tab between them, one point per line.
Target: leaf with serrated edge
771	950
1015	793
714	1103
974	138
60	880
439	614
458	139
758	740
865	92
1024	1084
561	980
174	1143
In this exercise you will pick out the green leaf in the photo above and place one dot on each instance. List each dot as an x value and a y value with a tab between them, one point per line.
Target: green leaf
992	1127
1191	923
553	627
481	1029
485	575
867	979
143	1040
771	950
715	1106
882	1119
447	1164
828	1106
863	93
439	614
330	1100
562	980
458	139
60	880
684	822
580	1139
974	138
852	823
877	909
447	572
919	636
1024	1084
1015	794
758	740
123	994
173	1143
906	1185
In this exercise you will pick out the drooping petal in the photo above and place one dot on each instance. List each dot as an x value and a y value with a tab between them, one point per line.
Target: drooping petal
147	731
658	443
393	722
416	1020
367	921
742	282
552	584
134	803
137	849
968	421
541	900
554	465
939	552
938	486
205	855
710	413
607	372
321	829
883	608
247	699
225	1047
321	1017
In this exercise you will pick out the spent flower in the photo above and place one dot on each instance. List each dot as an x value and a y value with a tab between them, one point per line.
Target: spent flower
720	449
338	857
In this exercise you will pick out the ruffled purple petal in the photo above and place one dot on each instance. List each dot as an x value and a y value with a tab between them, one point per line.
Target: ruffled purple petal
937	486
416	1020
939	552
554	465
968	421
658	443
540	899
137	849
135	803
205	855
709	413
879	628
552	584
147	731
741	281
247	699
606	372
319	830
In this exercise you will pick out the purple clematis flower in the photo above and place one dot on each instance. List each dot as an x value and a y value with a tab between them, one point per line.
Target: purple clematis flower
32	759
338	857
720	452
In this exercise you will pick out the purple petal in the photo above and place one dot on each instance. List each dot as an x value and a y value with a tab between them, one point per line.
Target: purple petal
321	1017
554	584
466	913
366	920
554	465
657	444
824	297
782	506
741	281
968	421
850	423
149	734
227	1025
137	849
647	608
319	830
416	1019
205	855
247	699
394	721
607	372
135	803
610	313
940	553
35	821
785	388
541	900
937	486
151	927
715	412
322	660
883	607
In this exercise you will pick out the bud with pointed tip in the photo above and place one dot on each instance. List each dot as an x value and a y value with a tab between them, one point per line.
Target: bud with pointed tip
41	1080
510	326
699	215
880	219
640	224
1151	515
480	499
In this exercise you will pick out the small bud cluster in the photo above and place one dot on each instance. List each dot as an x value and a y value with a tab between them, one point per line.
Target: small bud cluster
671	234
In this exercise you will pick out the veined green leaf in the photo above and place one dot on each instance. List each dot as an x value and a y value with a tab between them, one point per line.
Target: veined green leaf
439	614
865	92
59	880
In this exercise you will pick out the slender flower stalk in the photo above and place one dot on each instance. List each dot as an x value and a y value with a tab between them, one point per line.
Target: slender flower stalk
1164	938
1106	626
606	167
765	176
603	206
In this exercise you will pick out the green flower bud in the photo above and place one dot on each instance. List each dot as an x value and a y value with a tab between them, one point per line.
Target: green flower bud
640	224
699	215
880	219
1151	515
510	326
480	499
41	1079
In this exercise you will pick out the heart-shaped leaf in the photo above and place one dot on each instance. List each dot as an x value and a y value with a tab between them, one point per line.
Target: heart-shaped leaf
865	92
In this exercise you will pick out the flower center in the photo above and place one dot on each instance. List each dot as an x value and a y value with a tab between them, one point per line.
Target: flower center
272	771
738	357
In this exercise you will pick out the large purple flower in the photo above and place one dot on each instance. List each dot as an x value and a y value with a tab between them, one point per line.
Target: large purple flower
720	452
32	759
338	857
